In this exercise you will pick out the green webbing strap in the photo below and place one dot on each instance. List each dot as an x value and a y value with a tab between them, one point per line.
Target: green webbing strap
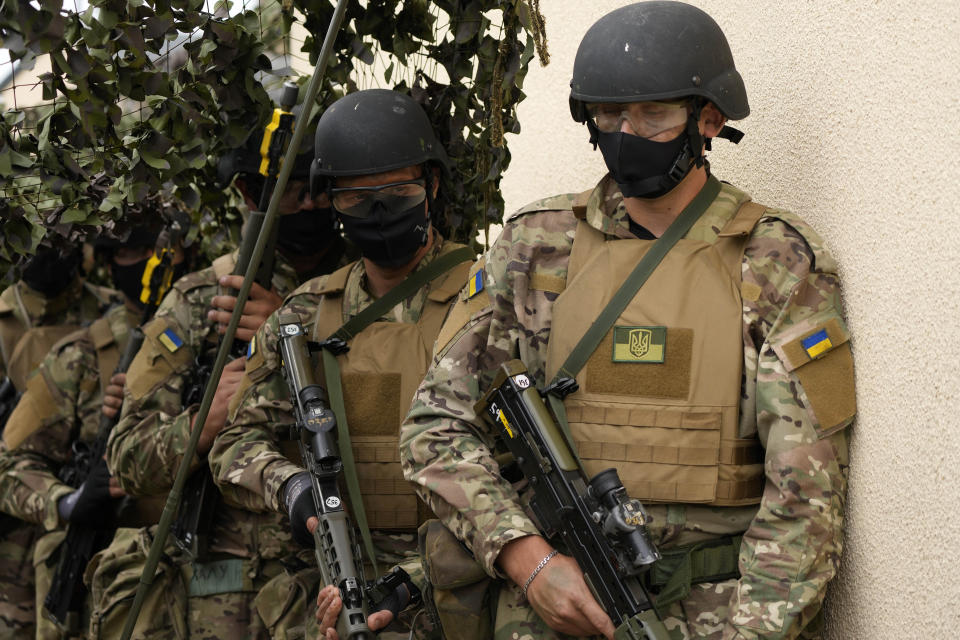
598	330
414	281
331	370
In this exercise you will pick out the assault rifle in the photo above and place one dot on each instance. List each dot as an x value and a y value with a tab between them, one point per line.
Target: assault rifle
191	530
64	600
593	520
337	553
336	549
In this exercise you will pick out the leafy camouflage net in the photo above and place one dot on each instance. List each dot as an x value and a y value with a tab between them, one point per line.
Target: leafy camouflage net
139	98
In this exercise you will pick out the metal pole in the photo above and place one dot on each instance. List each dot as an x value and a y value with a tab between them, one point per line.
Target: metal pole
173	500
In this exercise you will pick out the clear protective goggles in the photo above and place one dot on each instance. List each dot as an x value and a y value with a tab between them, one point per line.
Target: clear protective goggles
358	202
646	119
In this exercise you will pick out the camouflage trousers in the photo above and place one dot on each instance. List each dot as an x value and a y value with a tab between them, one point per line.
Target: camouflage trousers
215	599
701	615
17	591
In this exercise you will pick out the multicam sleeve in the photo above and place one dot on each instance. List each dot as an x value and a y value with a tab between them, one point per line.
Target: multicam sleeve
803	398
445	448
147	443
246	459
47	421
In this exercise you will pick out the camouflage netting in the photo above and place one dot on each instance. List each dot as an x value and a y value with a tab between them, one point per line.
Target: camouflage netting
143	96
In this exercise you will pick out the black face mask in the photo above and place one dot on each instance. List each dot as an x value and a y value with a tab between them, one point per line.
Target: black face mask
306	233
129	279
642	168
49	273
389	239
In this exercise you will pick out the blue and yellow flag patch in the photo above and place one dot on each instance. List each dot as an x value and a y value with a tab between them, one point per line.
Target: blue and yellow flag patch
170	340
252	346
816	344
475	285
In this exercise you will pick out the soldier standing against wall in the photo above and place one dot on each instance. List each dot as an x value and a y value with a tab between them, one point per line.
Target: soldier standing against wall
721	392
378	158
210	596
49	302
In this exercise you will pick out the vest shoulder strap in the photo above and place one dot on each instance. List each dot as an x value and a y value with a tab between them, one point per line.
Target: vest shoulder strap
451	284
6	308
744	220
224	265
336	282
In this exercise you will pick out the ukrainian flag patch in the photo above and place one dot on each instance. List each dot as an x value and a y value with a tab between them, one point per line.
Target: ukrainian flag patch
816	344
252	346
475	285
170	340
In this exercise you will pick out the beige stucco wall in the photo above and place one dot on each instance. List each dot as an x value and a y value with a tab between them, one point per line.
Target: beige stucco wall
853	125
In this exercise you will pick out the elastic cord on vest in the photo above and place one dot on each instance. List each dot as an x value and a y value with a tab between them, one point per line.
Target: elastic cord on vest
331	369
594	335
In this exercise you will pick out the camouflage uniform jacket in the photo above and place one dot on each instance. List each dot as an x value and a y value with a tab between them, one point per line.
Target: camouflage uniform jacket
147	444
79	304
246	458
792	541
29	486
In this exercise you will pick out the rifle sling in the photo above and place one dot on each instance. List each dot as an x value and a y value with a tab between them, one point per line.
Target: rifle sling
331	368
648	263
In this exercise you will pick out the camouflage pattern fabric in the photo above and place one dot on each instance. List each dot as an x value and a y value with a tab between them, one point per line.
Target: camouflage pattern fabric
792	541
144	452
29	485
247	460
79	304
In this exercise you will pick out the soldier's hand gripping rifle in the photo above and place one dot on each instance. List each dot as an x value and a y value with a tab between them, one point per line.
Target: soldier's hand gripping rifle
191	530
336	552
64	600
592	520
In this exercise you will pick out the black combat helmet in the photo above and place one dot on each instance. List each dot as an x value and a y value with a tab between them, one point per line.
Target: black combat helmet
656	51
373	131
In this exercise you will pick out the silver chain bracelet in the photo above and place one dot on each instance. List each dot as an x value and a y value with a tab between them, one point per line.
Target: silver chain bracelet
547	558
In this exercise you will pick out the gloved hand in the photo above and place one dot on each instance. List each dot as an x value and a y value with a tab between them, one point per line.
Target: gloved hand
90	505
298	499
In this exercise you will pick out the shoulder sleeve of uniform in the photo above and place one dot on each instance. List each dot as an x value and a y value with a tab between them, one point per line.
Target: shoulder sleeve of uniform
562	202
202	278
472	303
798	293
822	260
163	354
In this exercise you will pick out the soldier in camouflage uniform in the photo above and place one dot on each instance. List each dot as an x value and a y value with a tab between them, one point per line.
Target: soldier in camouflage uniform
59	414
51	301
211	596
722	394
379	159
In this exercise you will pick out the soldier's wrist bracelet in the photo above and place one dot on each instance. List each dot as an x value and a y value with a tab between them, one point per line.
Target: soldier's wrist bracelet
536	570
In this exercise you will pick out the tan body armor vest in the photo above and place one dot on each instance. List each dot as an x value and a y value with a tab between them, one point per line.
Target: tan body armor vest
380	375
659	398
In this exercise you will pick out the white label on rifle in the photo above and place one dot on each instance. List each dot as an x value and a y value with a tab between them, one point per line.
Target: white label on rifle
333	502
522	381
